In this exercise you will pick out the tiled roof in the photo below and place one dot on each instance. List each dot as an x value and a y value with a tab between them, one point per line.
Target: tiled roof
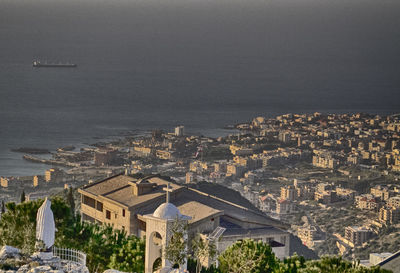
193	202
117	189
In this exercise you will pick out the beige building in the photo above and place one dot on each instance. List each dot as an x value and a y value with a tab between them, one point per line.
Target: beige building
4	182
52	174
394	202
344	193
325	197
144	151
190	177
165	154
357	235
234	169
384	193
288	193
35	181
123	201
220	166
198	166
389	215
242	151
284	206
366	201
308	235
179	131
324	161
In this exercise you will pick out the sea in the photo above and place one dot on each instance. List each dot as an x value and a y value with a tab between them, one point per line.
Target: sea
204	64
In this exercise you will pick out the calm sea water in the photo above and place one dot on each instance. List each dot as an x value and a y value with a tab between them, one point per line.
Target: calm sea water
201	63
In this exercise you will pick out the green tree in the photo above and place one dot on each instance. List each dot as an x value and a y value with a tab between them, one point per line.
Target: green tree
291	264
248	256
100	243
202	250
23	198
3	207
130	256
71	201
17	225
175	251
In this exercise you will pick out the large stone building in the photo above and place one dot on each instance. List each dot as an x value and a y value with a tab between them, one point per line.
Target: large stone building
123	201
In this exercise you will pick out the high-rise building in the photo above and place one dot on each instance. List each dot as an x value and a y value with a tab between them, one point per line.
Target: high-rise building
35	181
180	131
389	215
288	193
357	235
4	182
190	177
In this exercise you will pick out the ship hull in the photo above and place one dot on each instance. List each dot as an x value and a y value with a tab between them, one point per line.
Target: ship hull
55	65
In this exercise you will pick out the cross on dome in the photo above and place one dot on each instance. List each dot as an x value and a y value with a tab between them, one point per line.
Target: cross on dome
167	190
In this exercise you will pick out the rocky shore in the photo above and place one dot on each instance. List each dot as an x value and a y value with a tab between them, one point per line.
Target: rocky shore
50	161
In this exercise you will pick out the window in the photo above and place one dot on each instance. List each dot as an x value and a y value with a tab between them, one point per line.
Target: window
87	218
123	212
142	225
116	216
108	214
99	206
89	201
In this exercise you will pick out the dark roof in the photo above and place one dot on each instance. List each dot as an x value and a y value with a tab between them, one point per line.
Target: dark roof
224	193
252	232
118	189
391	263
275	244
226	224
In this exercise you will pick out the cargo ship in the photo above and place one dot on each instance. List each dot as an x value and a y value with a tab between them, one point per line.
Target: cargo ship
46	64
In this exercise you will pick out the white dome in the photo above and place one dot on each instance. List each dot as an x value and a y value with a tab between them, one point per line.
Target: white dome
168	211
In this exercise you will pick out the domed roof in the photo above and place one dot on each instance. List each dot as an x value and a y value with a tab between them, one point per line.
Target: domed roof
168	211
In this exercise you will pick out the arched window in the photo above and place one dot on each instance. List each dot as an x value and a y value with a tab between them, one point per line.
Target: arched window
157	264
156	238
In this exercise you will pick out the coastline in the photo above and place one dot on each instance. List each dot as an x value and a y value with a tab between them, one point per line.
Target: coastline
12	164
24	164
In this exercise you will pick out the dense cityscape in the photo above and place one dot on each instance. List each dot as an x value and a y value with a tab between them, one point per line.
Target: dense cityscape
328	180
199	136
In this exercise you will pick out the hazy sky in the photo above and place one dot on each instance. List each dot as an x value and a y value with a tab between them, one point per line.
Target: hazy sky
215	50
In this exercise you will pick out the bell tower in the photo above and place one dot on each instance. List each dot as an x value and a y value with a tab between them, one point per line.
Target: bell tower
159	231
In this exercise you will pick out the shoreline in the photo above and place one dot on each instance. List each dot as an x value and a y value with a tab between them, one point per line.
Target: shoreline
49	162
16	165
97	141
